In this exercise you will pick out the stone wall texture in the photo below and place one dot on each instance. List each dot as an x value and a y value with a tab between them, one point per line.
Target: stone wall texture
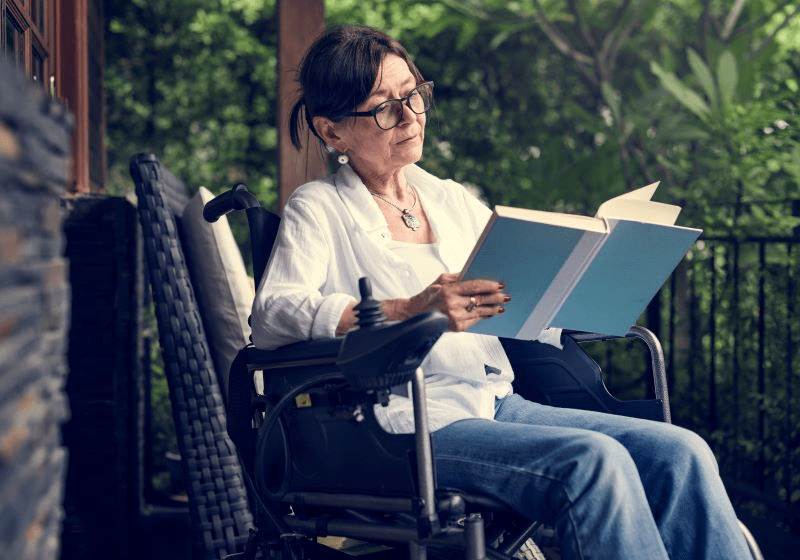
34	317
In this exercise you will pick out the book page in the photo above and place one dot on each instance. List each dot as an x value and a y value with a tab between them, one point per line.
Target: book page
638	206
645	211
573	221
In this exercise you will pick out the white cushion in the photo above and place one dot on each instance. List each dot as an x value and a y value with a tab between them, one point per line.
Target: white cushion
222	287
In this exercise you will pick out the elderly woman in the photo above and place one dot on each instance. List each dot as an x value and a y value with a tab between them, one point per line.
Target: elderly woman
613	487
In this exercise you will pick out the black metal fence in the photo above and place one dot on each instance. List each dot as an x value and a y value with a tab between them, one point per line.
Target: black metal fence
730	330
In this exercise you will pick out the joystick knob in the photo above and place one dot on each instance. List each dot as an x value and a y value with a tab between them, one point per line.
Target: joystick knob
368	311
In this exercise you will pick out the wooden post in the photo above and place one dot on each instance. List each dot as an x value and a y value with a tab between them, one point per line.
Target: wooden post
73	71
299	23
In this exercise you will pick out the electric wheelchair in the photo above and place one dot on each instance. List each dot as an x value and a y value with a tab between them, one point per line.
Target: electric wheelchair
314	468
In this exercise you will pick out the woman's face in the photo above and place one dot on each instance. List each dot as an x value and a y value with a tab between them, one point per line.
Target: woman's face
374	152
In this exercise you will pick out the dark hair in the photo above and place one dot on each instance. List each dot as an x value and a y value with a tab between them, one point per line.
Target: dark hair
338	72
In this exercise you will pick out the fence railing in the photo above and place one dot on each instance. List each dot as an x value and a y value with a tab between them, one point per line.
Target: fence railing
730	328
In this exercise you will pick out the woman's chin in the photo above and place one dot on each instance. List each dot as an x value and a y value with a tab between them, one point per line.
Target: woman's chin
412	150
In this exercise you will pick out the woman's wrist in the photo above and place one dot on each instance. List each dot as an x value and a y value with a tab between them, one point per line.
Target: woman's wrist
396	309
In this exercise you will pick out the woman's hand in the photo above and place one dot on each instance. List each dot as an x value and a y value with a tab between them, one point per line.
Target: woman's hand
464	303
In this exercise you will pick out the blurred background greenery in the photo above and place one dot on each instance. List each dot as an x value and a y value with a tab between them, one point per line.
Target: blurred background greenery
553	104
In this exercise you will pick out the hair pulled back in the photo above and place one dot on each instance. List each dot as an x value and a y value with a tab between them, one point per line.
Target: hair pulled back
338	72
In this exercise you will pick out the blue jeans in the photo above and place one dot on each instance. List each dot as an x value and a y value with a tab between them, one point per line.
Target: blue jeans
612	486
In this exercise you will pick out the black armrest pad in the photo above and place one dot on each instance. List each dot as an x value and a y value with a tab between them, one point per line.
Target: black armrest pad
304	351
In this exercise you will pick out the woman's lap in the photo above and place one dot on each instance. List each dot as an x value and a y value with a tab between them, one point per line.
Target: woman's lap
571	468
567	476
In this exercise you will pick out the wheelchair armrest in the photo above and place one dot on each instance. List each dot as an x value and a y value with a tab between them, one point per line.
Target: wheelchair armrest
657	362
298	354
382	356
377	357
570	377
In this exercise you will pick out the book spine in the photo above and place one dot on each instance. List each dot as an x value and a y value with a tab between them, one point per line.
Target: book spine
484	234
567	278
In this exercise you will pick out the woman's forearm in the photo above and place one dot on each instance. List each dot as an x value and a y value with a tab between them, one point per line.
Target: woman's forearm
393	310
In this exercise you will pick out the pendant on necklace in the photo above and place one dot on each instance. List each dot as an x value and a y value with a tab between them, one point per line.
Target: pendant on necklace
410	220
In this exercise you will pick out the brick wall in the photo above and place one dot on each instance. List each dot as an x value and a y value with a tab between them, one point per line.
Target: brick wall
34	317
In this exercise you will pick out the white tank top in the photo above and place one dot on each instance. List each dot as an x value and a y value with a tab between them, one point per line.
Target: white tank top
422	256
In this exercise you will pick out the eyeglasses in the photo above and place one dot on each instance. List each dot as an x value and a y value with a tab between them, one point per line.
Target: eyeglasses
389	113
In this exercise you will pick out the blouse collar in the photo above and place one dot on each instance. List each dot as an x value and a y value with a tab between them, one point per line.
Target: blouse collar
359	202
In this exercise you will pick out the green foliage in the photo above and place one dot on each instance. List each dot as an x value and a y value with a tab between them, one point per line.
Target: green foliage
738	153
194	82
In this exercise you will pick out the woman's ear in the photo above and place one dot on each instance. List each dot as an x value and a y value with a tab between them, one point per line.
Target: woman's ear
329	132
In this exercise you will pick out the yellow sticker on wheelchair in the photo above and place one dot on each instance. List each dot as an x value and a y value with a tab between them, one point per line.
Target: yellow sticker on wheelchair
303	400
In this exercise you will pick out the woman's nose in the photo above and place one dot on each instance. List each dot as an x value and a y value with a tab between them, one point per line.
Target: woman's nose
408	115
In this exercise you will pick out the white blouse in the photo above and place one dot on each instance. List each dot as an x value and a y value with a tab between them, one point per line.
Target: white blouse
331	234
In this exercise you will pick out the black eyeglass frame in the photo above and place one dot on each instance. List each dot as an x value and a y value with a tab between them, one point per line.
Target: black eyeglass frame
403	100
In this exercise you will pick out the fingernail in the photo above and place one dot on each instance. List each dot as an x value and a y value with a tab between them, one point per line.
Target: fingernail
506	299
501	286
501	310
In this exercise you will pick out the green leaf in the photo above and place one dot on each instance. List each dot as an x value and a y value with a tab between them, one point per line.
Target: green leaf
703	74
685	95
682	132
727	76
469	29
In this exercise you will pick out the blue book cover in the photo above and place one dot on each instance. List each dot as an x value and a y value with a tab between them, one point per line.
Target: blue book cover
576	272
630	267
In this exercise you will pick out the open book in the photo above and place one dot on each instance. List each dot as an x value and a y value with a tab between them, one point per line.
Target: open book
577	272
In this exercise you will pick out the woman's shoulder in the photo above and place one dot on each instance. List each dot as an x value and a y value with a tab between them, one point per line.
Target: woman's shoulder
312	193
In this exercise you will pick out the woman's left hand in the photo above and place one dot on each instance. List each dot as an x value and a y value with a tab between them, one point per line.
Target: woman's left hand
464	303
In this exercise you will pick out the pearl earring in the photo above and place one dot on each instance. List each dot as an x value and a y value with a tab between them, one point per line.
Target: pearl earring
342	159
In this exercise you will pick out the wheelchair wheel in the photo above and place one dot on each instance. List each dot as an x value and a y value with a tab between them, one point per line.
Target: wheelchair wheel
755	552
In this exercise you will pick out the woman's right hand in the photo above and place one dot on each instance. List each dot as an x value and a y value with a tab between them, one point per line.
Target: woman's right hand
464	303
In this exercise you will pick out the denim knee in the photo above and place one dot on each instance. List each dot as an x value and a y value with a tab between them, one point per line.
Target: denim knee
601	465
606	509
680	450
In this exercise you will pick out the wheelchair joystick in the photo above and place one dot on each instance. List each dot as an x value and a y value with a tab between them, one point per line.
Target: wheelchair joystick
368	311
379	355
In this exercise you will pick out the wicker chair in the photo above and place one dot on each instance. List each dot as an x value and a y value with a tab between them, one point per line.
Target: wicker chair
219	510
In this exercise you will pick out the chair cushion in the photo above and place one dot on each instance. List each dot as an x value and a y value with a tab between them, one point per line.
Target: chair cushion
223	289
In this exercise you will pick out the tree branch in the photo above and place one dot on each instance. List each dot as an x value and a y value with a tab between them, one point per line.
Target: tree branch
584	29
585	62
614	41
733	17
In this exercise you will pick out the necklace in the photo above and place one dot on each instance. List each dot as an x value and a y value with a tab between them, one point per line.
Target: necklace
409	219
